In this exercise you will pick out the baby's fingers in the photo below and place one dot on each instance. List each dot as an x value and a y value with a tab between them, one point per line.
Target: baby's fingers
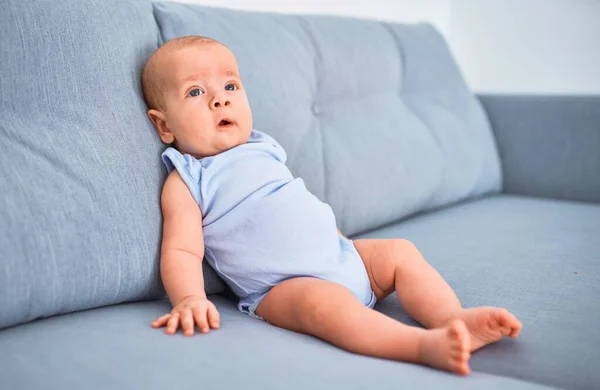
200	317
161	321
187	322
213	317
172	324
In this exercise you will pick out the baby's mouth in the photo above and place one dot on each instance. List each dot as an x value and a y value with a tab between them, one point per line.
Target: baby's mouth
225	123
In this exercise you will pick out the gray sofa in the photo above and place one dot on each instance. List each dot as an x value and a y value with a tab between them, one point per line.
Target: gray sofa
500	193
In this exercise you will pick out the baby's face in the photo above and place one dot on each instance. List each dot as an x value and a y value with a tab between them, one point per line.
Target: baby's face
206	108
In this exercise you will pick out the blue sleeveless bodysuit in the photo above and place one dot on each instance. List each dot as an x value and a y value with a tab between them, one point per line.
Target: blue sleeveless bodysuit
262	226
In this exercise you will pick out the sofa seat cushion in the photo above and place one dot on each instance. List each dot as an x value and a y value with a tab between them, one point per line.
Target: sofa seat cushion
115	348
539	258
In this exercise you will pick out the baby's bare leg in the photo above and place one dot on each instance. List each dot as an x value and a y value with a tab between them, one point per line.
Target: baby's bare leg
396	264
331	312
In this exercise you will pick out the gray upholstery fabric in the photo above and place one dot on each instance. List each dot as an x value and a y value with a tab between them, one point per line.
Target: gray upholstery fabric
80	162
115	348
540	259
377	120
358	105
549	145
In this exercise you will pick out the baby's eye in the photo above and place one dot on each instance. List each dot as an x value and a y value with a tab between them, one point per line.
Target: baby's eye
195	92
230	87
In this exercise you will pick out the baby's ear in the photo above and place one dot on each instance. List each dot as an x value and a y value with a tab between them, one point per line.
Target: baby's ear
158	120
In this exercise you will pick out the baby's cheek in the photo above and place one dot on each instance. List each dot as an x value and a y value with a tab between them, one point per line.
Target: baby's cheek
196	120
248	116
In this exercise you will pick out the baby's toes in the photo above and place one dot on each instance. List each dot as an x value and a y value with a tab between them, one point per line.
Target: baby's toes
509	324
459	336
459	362
461	356
462	367
515	329
514	333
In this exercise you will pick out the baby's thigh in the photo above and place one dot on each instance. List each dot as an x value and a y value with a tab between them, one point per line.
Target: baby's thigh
309	305
280	306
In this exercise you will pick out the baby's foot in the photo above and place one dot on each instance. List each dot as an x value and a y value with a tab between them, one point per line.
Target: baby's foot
489	324
447	348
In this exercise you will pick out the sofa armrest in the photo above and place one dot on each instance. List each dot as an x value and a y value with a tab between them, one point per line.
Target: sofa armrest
549	145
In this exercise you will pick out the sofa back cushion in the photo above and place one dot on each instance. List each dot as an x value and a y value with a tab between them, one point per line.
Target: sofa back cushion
80	165
375	117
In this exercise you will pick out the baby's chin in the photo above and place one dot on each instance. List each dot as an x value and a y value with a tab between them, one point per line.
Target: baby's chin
220	148
233	138
222	142
232	145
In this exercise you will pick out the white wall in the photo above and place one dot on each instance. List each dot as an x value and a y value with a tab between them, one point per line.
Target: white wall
508	46
528	46
406	11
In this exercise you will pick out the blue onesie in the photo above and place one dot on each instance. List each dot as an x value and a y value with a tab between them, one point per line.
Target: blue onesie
262	226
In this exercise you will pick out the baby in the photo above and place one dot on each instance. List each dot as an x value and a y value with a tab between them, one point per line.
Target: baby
229	197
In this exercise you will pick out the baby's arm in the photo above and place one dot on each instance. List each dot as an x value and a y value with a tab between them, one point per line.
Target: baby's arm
182	253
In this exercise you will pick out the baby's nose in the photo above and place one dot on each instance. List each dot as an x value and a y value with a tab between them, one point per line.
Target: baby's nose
219	102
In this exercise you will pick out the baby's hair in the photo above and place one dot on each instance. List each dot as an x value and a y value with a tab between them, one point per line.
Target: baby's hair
153	83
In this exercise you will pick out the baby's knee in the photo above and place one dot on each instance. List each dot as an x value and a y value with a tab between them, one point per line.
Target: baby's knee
403	245
403	250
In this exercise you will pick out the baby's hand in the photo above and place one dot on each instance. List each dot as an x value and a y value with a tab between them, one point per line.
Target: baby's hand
193	310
